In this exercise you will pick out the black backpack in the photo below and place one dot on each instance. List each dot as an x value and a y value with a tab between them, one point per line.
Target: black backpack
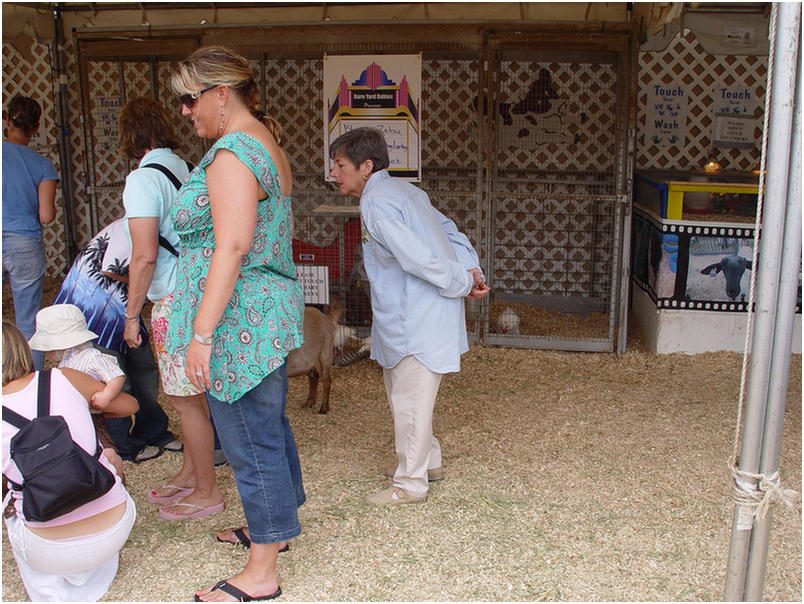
58	475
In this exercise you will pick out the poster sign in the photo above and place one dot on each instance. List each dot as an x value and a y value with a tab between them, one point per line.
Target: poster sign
378	91
107	110
666	122
734	124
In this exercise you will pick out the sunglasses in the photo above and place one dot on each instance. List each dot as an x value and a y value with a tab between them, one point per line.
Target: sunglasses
189	99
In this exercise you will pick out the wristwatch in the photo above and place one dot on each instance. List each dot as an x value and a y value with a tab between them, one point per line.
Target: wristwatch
199	338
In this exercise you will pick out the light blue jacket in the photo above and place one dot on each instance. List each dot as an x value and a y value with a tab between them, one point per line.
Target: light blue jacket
417	263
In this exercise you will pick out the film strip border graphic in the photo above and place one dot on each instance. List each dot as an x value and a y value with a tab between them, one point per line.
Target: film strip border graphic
680	300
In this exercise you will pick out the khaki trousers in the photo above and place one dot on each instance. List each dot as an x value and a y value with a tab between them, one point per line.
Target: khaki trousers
411	389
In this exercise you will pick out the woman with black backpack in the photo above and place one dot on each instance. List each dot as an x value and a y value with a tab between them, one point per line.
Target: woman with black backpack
66	530
147	137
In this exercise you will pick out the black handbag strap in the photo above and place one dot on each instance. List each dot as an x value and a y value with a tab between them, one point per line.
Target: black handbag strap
166	171
176	183
167	245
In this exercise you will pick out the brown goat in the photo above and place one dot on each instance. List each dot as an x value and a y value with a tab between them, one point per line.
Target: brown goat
314	358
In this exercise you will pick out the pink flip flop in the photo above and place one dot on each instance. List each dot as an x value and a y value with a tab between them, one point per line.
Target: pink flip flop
152	496
200	512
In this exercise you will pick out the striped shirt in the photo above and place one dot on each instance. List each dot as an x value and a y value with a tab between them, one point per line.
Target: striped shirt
85	357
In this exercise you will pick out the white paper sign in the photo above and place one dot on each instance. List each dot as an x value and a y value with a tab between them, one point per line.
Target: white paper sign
733	100
733	122
733	131
314	281
104	119
666	122
737	36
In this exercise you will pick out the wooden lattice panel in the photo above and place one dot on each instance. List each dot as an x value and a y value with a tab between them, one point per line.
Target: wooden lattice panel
578	100
449	137
449	116
291	99
136	79
553	245
30	75
450	150
686	62
294	100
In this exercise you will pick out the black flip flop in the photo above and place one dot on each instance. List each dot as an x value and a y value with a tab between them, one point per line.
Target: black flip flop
241	596
242	539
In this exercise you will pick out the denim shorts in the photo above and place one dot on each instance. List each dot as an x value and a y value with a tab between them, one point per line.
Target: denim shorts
256	438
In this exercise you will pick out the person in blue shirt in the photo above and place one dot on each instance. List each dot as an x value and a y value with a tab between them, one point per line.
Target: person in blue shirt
29	201
420	268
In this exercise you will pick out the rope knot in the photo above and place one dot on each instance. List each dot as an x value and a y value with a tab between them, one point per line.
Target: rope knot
758	491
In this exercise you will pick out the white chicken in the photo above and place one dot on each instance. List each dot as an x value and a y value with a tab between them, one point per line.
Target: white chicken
508	322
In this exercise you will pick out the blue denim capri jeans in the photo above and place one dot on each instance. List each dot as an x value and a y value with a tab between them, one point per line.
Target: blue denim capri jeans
256	438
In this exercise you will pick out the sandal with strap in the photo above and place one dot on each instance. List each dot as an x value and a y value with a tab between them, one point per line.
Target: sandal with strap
242	539
200	511
152	496
241	596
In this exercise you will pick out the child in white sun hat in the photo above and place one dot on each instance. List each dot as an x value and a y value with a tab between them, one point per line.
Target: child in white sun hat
61	332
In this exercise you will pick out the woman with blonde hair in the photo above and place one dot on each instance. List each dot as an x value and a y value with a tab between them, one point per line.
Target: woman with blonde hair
238	307
74	555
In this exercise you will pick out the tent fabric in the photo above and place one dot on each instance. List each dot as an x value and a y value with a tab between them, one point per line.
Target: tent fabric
37	22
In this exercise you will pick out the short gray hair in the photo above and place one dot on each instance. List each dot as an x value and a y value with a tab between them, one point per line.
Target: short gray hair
361	144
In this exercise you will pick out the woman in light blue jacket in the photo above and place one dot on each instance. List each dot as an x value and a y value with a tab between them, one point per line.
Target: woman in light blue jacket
420	268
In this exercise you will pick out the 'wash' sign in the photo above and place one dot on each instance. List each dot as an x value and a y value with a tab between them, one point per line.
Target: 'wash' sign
666	114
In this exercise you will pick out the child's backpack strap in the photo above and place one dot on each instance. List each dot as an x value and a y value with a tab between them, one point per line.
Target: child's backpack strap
14	418
42	403
43	394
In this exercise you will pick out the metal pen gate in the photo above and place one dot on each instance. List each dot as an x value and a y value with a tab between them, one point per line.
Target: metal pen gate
326	223
558	192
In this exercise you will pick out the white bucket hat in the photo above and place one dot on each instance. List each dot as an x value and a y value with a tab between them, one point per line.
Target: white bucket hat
60	327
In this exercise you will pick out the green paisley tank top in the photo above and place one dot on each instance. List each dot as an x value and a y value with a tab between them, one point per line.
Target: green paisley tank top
262	322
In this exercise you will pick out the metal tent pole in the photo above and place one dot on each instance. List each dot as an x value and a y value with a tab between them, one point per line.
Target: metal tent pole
767	274
65	153
780	361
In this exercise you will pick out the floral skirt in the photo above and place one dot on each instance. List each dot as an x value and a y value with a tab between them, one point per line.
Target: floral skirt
171	366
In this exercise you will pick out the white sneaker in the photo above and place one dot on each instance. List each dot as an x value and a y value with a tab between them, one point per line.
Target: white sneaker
394	496
146	453
174	446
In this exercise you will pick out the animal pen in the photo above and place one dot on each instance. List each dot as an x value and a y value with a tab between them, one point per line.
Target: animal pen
524	145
